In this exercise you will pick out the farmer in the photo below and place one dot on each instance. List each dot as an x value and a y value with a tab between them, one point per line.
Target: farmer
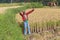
25	21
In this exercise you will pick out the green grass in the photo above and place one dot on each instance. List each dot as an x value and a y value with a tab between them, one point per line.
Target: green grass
9	28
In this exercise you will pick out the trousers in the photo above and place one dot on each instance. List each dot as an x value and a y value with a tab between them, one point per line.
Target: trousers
26	28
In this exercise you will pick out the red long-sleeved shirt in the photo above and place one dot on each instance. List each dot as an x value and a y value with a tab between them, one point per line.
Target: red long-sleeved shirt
26	14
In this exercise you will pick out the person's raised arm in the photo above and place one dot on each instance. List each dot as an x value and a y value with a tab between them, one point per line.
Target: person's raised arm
30	11
21	14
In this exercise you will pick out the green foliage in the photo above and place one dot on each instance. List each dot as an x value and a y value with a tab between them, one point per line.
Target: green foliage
58	2
34	5
9	4
27	5
8	1
9	28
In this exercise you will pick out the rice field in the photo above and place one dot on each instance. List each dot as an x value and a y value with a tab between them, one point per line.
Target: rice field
45	22
42	15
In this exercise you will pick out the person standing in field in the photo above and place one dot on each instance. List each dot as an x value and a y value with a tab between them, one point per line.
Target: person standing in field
25	21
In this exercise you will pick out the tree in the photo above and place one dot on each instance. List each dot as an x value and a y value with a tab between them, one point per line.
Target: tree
11	1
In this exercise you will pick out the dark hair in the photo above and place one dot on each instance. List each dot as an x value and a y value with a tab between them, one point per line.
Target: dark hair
23	12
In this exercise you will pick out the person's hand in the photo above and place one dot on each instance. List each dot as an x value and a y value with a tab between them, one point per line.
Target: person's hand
32	8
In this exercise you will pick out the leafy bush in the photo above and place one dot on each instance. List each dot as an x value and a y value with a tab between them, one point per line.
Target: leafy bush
34	5
10	4
58	2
